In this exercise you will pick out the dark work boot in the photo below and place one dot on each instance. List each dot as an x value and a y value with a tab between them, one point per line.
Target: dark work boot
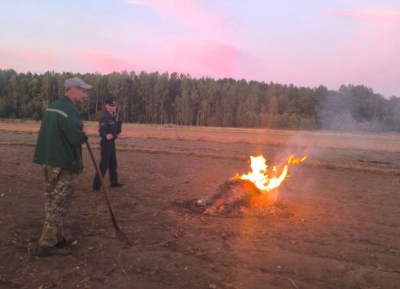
66	241
51	251
116	185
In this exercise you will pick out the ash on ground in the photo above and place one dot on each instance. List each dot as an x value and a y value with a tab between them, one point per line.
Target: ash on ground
235	197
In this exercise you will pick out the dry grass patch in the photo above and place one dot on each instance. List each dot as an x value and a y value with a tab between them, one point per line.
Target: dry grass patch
386	142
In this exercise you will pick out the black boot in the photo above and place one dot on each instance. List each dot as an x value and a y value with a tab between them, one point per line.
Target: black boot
66	241
51	251
116	185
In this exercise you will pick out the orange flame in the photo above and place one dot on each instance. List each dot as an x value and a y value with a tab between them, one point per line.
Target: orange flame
259	172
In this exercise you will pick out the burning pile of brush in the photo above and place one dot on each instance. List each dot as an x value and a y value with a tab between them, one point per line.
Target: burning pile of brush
242	193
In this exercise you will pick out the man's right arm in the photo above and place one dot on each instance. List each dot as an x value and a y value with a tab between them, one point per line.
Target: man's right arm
73	130
103	126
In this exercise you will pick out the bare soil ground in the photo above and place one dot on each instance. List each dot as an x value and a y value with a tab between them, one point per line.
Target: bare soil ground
332	226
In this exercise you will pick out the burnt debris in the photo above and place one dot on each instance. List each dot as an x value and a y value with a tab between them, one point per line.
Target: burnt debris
232	198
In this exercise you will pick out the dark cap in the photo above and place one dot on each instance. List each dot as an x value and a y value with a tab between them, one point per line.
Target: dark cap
111	100
76	82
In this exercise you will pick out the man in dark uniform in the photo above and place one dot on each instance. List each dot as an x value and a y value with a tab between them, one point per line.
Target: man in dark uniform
109	131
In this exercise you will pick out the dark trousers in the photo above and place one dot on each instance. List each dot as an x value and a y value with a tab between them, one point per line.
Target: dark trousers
108	161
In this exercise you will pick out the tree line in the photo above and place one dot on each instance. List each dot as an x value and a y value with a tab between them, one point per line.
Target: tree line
163	98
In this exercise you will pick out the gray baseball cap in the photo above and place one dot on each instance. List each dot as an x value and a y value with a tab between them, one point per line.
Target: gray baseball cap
76	82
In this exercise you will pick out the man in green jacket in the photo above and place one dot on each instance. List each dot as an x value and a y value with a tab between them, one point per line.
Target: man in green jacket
59	152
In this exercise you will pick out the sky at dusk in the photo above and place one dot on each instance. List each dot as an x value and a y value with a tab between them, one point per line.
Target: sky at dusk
305	43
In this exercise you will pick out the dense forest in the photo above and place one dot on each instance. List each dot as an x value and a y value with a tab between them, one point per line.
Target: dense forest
180	99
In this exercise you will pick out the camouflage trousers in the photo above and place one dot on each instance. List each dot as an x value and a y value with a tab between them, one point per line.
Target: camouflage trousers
59	186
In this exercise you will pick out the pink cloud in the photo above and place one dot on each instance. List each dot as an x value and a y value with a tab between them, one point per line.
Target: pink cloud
26	60
40	59
105	62
369	55
7	57
207	52
192	15
204	57
168	7
377	15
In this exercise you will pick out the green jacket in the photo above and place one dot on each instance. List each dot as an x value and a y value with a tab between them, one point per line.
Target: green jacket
60	138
